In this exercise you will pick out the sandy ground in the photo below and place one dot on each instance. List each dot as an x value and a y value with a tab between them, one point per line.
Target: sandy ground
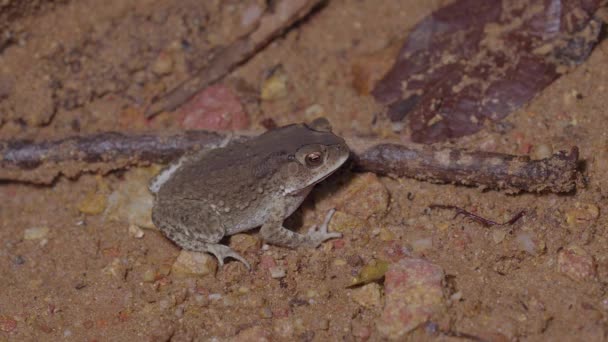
66	274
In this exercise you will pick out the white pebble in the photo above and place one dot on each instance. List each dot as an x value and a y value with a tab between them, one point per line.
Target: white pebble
277	272
135	231
35	233
215	296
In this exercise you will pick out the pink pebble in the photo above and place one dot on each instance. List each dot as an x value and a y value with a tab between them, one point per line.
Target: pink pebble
214	108
414	292
267	262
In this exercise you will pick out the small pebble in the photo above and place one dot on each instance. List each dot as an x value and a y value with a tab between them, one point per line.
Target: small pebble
368	296
421	245
323	324
135	231
7	324
179	311
245	242
314	112
542	151
283	328
576	263
216	108
18	260
256	333
277	272
149	276
362	331
582	214
528	243
251	15
163	64
215	296
456	296
413	291
266	312
35	233
386	235
275	86
498	235
342	222
194	264
93	203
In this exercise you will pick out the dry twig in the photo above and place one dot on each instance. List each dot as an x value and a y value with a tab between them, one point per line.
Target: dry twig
41	162
284	14
479	219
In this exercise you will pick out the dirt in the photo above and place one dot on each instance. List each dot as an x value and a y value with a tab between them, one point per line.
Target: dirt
86	66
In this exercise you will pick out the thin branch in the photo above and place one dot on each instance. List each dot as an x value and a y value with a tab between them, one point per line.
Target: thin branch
479	219
41	162
271	25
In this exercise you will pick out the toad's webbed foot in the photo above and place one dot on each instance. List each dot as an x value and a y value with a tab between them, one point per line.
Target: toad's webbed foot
317	235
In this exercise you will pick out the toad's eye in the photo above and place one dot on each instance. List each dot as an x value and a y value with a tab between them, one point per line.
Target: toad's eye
314	159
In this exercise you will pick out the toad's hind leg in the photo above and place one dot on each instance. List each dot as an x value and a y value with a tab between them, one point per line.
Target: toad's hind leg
201	240
220	251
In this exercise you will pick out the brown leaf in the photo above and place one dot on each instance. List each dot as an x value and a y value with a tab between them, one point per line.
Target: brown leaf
478	60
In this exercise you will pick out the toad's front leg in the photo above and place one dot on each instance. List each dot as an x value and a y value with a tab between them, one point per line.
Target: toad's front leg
274	233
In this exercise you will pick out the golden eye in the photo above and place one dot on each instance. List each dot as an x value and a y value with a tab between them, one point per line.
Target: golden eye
314	159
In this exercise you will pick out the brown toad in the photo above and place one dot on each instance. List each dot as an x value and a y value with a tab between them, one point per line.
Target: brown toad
211	194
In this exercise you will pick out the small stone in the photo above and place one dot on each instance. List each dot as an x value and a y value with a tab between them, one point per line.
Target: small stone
542	151
251	15
314	111
386	234
149	275
266	312
373	271
163	64
256	333
194	264
283	328
323	324
7	324
275	86
135	231
267	262
368	295
422	244
582	213
339	262
93	203
342	222
245	243
277	272
215	108
215	296
132	201
36	233
413	290
498	235
576	263
527	242
116	269
362	331
457	296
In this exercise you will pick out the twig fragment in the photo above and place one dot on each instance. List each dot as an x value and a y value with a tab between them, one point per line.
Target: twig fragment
41	162
479	219
285	13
